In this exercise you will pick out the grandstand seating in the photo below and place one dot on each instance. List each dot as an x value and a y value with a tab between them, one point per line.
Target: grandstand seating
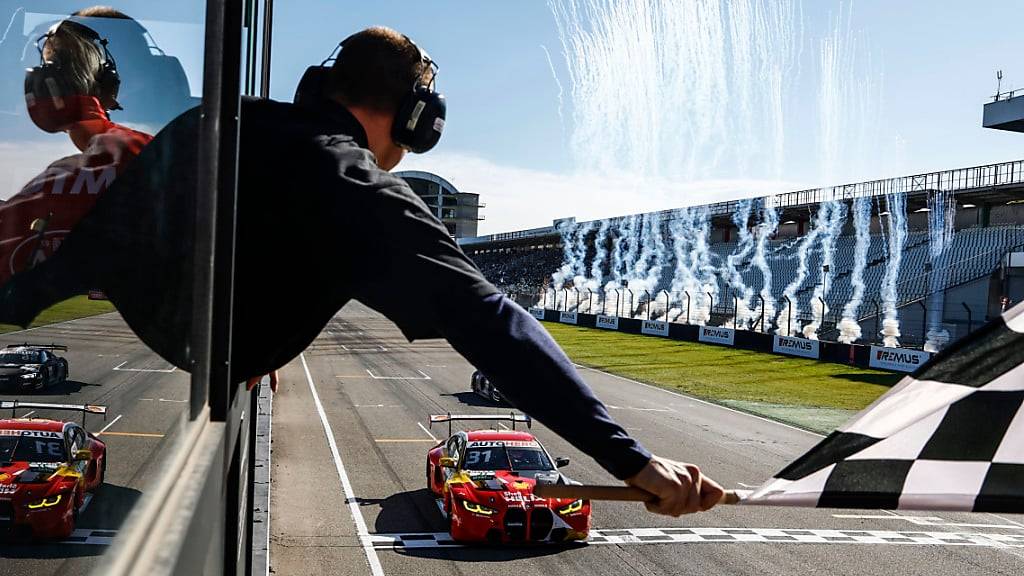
973	253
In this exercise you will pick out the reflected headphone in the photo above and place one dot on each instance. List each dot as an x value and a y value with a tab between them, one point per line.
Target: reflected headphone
419	119
47	93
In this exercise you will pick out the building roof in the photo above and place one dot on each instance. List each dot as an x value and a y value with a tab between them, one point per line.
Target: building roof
429	176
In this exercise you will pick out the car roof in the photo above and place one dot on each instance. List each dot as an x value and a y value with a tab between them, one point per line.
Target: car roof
492	435
17	349
32	424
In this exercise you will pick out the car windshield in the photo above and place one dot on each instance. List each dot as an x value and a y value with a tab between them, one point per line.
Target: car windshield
26	357
506	458
31	449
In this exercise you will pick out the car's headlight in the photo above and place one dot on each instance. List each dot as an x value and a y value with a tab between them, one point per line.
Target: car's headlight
30	375
478	508
45	502
572	508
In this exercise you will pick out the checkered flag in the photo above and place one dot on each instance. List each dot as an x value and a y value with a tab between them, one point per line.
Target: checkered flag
948	437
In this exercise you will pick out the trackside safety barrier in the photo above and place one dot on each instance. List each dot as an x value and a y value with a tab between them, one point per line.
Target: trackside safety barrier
877	357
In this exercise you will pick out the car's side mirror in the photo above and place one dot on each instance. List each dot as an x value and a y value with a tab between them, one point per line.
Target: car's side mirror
83	455
446	462
561	462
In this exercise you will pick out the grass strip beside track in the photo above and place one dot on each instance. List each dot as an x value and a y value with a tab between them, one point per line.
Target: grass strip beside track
808	393
77	307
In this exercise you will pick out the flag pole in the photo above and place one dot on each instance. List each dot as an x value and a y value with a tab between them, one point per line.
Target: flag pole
616	493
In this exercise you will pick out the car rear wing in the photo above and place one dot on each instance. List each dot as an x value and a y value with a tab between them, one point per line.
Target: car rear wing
51	346
510	417
85	409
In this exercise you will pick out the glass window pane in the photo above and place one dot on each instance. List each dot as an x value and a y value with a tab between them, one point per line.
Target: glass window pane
98	136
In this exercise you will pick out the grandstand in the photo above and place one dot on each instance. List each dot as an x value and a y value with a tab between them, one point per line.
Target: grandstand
957	289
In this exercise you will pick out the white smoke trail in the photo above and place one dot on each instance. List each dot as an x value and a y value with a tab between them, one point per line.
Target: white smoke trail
684	280
788	322
834	217
896	205
554	75
647	271
765	230
592	282
688	68
849	328
744	245
941	217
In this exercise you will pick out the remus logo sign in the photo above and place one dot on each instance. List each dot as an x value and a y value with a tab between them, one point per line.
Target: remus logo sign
607	322
900	359
538	313
802	347
654	328
717	335
567	317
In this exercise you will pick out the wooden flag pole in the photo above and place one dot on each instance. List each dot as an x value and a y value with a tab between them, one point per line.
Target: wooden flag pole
617	493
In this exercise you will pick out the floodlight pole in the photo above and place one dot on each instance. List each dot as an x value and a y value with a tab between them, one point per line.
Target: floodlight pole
735	310
630	301
668	298
590	301
565	300
878	315
711	306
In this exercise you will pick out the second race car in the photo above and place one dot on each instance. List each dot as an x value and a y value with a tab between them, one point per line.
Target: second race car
483	481
32	366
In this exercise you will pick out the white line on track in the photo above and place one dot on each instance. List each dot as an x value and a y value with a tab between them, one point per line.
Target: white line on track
27	414
928	521
112	422
738	536
422	376
119	368
424	428
694	399
357	516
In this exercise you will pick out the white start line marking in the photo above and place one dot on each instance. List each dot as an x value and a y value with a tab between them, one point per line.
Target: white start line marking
422	376
738	536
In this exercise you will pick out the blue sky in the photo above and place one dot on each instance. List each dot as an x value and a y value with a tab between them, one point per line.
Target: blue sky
934	63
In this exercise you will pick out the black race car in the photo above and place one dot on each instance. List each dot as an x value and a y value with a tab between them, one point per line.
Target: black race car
482	386
32	366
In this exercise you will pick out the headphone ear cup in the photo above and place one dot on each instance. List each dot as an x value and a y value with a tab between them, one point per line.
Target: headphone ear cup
419	120
109	83
51	105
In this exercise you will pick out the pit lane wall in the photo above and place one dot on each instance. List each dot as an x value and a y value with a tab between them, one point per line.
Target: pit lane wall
902	360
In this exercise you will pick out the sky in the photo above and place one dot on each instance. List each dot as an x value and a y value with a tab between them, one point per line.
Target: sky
905	96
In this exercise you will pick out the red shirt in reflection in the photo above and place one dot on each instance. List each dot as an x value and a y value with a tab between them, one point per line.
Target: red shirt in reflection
34	222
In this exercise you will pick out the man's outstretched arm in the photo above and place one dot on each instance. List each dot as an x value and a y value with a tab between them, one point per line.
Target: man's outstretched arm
416	275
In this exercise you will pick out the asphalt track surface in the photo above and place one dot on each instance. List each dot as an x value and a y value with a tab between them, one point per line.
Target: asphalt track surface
348	489
145	398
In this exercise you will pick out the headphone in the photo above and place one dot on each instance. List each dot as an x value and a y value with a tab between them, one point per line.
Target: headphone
419	119
47	94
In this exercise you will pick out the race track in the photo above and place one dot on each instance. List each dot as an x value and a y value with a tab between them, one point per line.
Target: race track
145	399
348	494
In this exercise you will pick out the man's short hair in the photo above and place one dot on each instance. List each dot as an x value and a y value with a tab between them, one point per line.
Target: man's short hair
79	58
375	69
101	12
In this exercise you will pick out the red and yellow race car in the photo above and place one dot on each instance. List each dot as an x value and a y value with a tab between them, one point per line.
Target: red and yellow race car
483	481
48	471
